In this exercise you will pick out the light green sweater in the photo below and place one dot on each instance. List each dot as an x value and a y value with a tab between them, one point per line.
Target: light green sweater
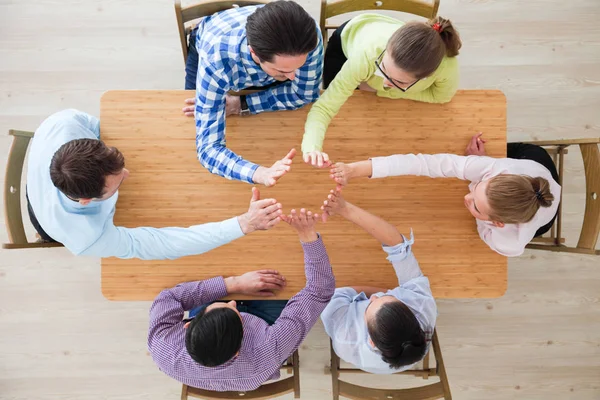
363	39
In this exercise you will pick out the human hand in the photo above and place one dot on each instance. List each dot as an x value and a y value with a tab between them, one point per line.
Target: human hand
304	223
341	173
261	215
233	105
364	86
188	110
270	176
317	159
475	146
335	204
256	283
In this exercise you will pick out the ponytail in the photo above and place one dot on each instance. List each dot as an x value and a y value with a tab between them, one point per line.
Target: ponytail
449	35
515	199
419	48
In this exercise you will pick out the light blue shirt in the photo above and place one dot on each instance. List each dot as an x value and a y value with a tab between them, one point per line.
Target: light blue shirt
89	230
344	316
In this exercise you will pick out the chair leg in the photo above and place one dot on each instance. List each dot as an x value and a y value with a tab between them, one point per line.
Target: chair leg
184	392
441	369
426	365
296	365
335	373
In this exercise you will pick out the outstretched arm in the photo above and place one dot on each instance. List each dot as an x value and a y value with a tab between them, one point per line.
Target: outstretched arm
386	233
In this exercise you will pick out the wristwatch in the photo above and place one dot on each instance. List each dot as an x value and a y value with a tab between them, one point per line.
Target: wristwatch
244	106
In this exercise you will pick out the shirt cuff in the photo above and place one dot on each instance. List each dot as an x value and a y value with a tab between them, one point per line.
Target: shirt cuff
255	104
233	228
216	289
315	250
401	250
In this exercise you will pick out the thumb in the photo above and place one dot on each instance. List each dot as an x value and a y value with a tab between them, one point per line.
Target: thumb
255	195
291	154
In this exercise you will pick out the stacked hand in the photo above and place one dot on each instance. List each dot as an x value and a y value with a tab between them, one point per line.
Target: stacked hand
270	176
261	215
335	204
304	223
317	159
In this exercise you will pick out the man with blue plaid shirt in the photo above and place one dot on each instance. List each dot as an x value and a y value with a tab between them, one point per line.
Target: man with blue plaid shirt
277	48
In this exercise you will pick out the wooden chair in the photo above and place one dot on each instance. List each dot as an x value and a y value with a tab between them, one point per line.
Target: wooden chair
438	390
13	216
332	8
266	391
186	15
588	238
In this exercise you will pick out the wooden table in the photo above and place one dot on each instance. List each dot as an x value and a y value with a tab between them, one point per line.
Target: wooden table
169	187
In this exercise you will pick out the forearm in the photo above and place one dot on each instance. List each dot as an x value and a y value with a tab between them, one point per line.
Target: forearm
383	231
165	243
360	169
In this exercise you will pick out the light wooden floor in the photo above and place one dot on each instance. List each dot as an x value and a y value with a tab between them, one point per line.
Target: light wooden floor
59	339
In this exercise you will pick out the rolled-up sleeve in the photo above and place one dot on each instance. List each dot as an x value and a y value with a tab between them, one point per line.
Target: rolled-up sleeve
403	260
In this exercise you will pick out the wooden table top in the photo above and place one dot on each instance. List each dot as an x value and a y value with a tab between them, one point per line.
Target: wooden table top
169	187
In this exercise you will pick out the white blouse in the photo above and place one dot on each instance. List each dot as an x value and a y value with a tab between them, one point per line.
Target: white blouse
509	240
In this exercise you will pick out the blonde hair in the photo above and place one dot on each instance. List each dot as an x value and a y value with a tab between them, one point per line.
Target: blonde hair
419	47
515	199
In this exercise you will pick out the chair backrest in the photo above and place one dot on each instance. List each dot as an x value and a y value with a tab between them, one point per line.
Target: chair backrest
591	217
332	8
13	216
436	390
590	229
266	391
12	186
202	9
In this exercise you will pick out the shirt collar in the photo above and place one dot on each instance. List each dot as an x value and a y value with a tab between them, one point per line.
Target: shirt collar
251	67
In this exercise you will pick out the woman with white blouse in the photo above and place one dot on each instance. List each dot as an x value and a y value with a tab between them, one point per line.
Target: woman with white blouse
512	199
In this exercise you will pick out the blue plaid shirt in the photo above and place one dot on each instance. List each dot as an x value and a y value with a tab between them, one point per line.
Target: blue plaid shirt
225	64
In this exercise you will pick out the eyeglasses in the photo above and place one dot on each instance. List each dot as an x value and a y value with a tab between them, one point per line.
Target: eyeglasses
378	65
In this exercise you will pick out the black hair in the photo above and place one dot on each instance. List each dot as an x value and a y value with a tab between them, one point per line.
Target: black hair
214	337
397	334
281	28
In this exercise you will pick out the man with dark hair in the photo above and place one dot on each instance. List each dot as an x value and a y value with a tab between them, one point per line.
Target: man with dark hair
72	189
379	330
276	49
239	346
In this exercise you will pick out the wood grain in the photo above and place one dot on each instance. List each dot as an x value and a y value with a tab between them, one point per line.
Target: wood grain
168	187
540	341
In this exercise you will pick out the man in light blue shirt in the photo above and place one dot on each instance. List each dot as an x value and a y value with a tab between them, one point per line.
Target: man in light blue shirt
379	330
72	189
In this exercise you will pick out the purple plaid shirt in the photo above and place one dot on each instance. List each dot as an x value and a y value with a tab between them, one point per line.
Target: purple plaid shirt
264	348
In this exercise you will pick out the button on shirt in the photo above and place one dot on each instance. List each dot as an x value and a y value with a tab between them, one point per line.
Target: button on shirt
344	317
264	348
89	230
225	64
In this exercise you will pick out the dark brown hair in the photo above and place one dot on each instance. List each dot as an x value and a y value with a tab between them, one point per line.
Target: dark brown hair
419	49
79	168
396	333
515	199
281	28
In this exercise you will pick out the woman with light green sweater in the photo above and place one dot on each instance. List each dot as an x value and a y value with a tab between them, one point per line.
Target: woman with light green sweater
377	53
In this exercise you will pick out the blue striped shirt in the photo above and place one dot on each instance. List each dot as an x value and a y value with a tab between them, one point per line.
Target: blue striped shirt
225	64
